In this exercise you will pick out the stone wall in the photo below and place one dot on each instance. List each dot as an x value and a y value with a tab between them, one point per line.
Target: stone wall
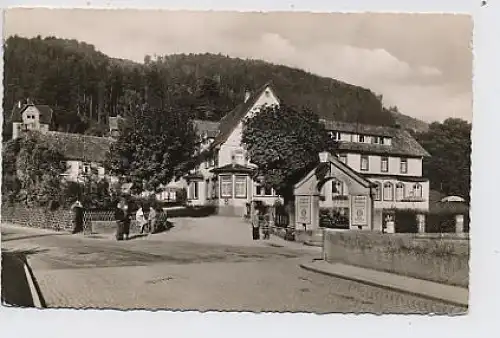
443	259
38	218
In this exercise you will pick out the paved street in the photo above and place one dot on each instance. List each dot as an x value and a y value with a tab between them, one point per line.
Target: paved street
203	264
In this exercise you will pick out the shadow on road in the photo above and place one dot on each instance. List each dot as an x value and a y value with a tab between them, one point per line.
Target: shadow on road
15	287
31	236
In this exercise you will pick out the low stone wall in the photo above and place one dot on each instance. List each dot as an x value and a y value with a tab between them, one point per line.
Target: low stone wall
443	259
38	218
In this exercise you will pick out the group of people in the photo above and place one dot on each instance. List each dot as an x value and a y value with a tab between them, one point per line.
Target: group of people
123	217
260	221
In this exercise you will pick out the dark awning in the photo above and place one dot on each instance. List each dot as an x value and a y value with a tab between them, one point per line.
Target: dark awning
233	168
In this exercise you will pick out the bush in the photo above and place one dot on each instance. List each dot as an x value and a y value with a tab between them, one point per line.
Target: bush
405	221
333	219
192	211
444	222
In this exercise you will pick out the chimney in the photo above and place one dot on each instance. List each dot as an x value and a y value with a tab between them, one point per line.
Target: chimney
19	104
247	95
29	101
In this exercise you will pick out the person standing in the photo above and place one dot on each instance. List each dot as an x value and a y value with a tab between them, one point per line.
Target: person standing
126	223
256	225
141	219
77	209
120	220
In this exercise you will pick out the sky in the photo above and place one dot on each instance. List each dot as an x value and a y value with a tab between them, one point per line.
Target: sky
422	63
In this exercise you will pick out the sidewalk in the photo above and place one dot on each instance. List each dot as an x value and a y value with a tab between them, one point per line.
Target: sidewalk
427	289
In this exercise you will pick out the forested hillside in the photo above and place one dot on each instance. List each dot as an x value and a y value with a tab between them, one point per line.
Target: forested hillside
85	86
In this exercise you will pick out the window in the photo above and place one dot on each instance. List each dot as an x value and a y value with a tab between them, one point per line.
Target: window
417	190
404	166
384	167
86	169
337	188
388	192
193	190
362	138
226	186
207	189
378	191
334	135
400	191
240	186
343	158
381	140
364	163
238	157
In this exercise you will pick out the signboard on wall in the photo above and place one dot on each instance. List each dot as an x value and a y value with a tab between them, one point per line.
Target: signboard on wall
359	207
303	209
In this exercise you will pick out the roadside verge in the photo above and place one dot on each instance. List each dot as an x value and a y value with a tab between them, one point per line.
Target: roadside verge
426	289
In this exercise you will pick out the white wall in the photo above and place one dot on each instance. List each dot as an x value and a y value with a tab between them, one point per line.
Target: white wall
375	165
422	204
73	170
234	140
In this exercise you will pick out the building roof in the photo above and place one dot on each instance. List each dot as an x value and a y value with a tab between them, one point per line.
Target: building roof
359	128
231	120
210	128
45	112
79	147
402	144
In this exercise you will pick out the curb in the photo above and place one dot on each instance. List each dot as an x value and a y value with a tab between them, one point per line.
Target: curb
36	294
307	267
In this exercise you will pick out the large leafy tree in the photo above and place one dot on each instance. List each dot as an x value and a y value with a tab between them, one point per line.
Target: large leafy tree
449	144
151	148
39	166
284	143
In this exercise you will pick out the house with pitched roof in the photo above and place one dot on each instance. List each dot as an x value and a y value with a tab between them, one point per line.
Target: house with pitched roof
225	178
388	157
84	154
30	117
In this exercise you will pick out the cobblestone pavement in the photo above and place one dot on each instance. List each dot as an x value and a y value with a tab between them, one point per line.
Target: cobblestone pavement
160	273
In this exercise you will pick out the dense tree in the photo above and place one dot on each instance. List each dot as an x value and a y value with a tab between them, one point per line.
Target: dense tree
74	77
285	143
10	183
151	147
448	168
39	166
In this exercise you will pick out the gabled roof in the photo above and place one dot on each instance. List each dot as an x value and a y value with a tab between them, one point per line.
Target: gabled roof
45	112
402	143
79	147
210	128
229	122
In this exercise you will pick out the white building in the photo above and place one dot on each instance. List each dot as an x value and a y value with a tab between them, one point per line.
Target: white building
30	117
387	156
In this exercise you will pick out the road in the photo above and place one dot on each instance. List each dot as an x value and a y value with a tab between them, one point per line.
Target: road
164	272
